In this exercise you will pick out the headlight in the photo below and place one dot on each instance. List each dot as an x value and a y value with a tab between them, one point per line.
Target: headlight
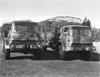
69	49
7	47
90	49
87	48
12	46
39	46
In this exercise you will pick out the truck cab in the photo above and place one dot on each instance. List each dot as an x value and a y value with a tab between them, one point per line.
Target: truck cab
76	38
23	37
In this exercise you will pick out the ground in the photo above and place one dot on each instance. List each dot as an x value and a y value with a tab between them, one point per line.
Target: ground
21	65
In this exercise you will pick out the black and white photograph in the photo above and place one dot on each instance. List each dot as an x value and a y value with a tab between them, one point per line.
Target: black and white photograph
49	38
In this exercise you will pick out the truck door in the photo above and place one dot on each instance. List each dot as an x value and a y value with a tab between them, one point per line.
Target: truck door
65	38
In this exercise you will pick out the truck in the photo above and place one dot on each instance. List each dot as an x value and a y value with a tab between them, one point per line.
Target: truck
65	34
59	35
22	37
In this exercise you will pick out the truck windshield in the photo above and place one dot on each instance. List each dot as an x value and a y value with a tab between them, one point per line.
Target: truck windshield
82	32
26	27
22	28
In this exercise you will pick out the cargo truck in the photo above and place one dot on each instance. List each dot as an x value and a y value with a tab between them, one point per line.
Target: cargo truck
71	35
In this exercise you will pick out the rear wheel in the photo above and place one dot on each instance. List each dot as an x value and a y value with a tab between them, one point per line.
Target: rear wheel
37	54
86	55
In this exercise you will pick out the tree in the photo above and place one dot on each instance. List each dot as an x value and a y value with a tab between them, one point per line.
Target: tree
86	22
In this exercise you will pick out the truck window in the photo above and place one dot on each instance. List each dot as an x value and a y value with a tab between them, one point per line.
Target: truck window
65	29
81	32
21	28
75	32
85	32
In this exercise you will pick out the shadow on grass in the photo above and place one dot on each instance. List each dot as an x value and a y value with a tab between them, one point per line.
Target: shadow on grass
69	56
86	56
21	57
47	55
91	56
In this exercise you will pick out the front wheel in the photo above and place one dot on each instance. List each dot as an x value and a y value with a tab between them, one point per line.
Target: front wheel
7	53
61	53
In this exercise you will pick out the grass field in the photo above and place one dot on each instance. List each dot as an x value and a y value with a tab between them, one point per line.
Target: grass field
21	65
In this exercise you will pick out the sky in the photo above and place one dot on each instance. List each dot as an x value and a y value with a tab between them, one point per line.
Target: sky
39	10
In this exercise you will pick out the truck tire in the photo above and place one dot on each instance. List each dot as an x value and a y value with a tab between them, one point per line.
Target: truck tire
5	51
3	48
44	49
37	54
7	54
61	53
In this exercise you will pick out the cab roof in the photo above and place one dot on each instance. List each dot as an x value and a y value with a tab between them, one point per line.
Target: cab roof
77	26
25	22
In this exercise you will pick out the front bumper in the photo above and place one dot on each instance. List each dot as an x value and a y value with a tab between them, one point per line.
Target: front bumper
79	48
87	48
25	45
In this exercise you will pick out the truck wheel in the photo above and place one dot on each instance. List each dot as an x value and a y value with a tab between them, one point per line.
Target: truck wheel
37	54
61	53
44	49
3	48
7	53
